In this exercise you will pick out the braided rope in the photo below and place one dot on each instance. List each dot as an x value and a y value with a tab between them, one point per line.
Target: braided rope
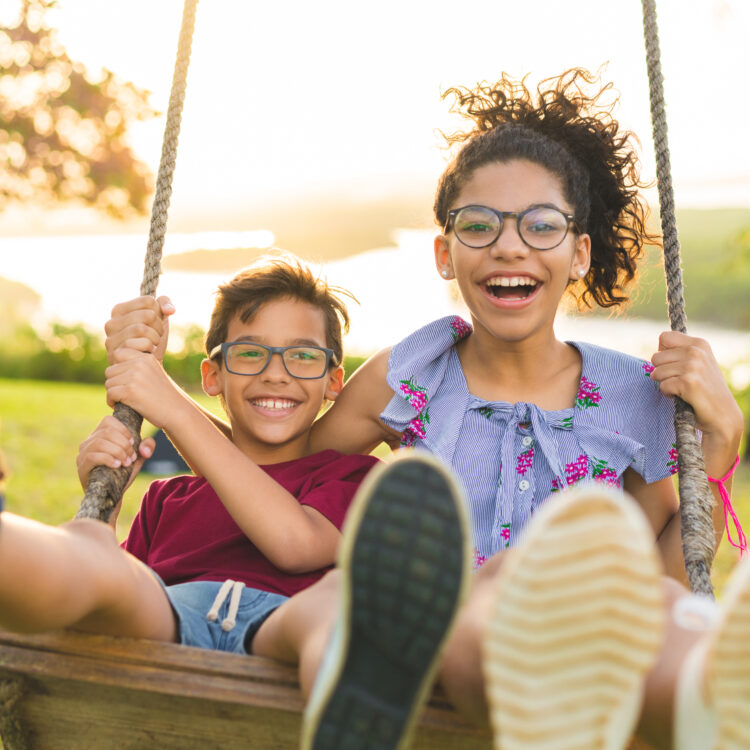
696	500
106	485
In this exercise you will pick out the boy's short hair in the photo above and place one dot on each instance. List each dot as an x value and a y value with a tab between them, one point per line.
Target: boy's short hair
278	277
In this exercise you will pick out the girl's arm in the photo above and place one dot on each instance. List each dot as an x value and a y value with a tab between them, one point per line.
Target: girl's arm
294	537
658	501
352	424
685	366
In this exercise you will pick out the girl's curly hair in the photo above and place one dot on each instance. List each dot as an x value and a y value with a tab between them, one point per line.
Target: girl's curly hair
572	134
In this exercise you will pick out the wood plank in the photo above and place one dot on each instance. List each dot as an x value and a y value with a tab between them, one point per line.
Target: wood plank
99	692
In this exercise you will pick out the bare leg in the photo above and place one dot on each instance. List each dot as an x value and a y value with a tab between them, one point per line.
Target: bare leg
76	576
657	715
298	631
461	666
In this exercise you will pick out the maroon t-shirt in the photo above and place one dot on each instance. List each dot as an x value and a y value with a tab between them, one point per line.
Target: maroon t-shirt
184	532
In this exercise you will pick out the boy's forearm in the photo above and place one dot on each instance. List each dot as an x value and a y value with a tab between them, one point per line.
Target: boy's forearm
220	424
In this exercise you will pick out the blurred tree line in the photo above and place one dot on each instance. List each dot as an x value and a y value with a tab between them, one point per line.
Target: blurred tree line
62	128
72	353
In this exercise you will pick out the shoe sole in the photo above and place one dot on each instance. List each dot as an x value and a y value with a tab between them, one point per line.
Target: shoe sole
404	570
728	665
576	624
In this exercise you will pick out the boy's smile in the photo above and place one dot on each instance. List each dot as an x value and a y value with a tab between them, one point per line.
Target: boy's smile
271	412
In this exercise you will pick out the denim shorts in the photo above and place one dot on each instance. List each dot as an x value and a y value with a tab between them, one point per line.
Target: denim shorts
220	616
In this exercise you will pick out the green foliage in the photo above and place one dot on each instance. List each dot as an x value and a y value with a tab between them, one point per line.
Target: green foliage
63	131
41	426
351	364
68	353
715	251
74	354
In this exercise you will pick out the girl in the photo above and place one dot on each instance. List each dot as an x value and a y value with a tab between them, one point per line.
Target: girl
540	202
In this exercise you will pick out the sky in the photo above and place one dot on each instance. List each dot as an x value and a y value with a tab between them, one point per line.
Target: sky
298	98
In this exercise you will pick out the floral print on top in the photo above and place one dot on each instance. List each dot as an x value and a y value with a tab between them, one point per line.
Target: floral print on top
511	458
417	397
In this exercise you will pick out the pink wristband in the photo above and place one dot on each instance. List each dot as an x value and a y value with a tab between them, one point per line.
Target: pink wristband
741	543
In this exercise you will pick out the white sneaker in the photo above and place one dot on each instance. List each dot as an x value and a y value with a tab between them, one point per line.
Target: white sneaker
721	663
576	625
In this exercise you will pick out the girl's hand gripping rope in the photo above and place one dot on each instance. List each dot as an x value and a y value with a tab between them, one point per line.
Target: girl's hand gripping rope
686	367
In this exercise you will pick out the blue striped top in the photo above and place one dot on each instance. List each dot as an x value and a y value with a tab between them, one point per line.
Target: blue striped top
512	457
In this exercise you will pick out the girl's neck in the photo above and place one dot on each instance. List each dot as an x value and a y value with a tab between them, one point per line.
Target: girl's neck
542	370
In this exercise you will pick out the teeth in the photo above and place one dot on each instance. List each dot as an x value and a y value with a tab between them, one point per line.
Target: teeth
511	281
274	403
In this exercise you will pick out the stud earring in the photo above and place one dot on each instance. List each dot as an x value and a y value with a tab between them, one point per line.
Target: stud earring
444	273
581	273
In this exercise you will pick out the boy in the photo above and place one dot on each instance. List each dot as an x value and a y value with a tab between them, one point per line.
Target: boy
224	559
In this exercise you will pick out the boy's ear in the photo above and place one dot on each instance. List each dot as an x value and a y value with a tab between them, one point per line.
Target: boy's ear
335	383
211	377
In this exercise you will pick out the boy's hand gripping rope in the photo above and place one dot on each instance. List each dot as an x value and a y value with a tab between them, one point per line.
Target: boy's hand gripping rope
696	500
106	485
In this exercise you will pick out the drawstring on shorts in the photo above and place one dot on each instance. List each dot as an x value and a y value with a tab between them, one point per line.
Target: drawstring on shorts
234	604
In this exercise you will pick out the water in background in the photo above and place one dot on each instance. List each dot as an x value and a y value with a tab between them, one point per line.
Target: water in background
81	278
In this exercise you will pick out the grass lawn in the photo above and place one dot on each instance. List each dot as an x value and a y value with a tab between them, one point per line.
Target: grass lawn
41	427
42	424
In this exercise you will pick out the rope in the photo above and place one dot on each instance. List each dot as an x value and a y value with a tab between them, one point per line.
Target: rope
696	500
106	485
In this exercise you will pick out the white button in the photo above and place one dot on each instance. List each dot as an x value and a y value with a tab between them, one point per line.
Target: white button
527	441
523	485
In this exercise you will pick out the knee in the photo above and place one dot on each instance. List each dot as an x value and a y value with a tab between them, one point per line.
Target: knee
90	531
315	606
93	546
330	581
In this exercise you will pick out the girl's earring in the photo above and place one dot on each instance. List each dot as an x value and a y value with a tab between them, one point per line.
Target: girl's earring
444	273
581	273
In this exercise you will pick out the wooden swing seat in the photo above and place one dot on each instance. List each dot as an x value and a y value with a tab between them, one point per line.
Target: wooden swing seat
72	691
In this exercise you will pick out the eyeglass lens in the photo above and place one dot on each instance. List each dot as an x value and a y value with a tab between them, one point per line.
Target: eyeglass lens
300	361
542	228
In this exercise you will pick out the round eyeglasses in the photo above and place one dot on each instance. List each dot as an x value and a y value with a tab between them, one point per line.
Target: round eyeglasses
249	358
540	227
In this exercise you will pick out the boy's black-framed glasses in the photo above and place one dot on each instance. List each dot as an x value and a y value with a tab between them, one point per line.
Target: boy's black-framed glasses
539	227
249	358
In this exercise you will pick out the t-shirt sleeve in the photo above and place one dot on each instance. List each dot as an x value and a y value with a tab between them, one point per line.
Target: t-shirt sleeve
138	541
333	494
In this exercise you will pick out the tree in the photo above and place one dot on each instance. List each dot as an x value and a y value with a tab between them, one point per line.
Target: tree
62	130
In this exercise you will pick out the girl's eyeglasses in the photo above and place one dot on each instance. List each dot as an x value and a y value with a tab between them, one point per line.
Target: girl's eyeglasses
249	358
540	227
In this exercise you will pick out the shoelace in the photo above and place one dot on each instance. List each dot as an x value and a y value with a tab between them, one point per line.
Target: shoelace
234	603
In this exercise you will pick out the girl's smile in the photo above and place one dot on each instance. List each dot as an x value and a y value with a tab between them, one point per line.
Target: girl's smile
511	290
